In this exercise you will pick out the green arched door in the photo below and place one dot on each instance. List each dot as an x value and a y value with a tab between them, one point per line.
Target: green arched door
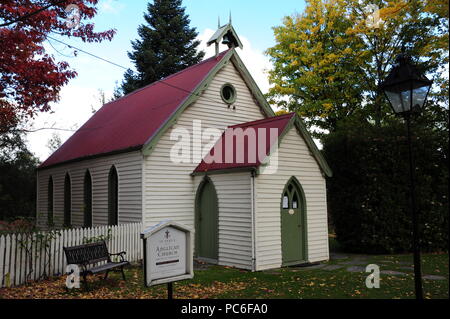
206	221
293	224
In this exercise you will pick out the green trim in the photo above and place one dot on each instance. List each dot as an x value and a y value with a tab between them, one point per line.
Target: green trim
248	79
204	181
84	158
232	99
313	147
303	207
298	123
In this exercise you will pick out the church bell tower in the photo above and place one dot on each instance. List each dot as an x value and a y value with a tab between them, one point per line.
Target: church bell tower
227	35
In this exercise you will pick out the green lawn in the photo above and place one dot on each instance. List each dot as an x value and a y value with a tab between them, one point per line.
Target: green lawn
225	282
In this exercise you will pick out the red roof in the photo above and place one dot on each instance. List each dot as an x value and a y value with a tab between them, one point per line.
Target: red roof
131	121
255	143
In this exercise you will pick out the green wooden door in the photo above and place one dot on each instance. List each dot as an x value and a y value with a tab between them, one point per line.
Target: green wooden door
293	225
207	213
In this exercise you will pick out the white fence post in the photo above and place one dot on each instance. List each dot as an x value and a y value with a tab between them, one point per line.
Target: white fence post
2	259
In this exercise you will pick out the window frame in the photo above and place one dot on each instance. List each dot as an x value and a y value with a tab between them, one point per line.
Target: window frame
232	99
67	201
113	207
50	201
87	198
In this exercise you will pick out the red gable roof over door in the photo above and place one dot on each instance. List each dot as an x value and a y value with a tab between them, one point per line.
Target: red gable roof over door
129	122
261	142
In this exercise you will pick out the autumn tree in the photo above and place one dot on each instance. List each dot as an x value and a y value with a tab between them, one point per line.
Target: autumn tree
328	64
329	60
30	78
167	45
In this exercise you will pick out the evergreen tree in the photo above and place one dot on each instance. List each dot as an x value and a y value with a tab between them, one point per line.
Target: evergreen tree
166	45
17	177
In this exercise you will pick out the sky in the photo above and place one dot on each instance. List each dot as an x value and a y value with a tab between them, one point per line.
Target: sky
252	19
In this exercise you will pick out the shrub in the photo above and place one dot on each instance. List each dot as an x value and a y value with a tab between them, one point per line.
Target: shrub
368	195
19	225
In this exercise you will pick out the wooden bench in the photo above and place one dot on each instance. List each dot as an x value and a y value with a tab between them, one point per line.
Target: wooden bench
90	254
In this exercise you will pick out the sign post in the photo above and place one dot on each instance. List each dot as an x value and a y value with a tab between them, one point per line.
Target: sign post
167	254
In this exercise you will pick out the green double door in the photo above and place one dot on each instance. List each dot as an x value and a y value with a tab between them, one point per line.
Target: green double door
206	221
293	225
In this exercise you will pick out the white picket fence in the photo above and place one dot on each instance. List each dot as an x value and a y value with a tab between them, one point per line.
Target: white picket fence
25	257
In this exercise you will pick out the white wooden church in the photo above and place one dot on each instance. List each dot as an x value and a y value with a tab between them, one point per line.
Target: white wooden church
119	168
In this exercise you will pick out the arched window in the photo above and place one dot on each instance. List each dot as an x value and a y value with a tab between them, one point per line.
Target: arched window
87	199
292	197
67	201
113	197
50	202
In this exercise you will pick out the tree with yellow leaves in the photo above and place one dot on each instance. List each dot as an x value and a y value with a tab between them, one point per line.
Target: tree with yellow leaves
330	59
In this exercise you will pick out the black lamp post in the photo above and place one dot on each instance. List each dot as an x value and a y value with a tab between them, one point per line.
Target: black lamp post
407	89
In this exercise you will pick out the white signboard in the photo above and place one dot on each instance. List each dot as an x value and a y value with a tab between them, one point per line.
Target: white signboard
167	253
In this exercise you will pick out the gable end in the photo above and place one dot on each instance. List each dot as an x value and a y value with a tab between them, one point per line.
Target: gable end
232	56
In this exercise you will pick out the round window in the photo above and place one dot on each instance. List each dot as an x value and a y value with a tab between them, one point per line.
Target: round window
228	93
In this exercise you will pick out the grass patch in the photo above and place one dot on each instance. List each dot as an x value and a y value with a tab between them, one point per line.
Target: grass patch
291	282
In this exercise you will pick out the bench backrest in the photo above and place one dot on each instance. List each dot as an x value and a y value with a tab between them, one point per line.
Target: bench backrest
87	253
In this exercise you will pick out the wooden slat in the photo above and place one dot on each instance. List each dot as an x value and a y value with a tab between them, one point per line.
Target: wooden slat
24	245
33	257
65	244
7	274
51	258
21	241
2	259
39	257
128	249
60	253
12	269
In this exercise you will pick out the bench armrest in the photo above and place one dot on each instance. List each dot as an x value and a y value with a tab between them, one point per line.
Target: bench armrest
120	255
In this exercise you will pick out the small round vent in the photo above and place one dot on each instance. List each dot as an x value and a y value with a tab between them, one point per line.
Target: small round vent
228	93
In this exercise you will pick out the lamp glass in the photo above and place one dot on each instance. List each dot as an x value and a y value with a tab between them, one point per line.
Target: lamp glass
400	95
420	95
400	101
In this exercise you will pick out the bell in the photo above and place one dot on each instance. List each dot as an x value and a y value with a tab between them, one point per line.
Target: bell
226	40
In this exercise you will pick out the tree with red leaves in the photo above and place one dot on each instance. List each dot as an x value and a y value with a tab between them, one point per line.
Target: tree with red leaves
30	79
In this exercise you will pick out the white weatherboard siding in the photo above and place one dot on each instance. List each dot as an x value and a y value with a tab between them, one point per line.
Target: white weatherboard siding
234	201
129	169
296	160
169	190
